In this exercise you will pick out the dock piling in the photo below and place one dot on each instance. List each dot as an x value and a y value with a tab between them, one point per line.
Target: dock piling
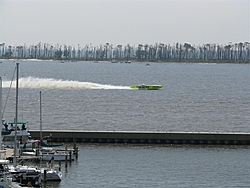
45	176
59	165
76	152
70	156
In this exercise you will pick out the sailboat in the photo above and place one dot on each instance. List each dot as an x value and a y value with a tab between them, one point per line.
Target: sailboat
10	132
45	151
22	172
6	179
42	141
5	182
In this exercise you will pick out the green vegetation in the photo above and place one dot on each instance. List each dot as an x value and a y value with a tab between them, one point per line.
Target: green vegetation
230	53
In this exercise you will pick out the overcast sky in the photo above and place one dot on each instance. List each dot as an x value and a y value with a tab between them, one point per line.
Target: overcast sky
133	22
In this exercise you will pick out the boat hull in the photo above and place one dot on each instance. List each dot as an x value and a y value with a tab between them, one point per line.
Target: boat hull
47	156
146	87
52	175
57	157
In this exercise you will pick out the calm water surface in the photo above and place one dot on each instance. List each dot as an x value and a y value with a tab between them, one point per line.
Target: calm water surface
157	166
96	96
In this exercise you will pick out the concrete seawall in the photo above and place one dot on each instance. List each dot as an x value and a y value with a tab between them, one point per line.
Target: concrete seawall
147	137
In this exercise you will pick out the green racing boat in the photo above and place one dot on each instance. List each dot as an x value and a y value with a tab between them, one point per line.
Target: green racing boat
146	87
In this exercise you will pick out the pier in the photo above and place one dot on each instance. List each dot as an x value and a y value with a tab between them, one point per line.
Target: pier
146	137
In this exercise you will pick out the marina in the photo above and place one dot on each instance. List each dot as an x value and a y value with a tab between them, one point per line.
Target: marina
13	173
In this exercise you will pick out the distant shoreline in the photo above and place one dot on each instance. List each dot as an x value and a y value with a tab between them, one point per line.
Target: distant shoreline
238	53
100	61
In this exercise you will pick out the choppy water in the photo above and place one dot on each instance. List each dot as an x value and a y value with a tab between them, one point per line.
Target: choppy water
96	96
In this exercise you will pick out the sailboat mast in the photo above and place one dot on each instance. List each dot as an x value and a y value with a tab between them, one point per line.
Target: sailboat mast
1	115
41	136
16	116
1	107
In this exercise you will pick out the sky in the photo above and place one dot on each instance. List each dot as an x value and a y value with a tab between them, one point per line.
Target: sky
122	22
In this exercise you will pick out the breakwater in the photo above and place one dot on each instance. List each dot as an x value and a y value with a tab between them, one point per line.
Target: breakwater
146	137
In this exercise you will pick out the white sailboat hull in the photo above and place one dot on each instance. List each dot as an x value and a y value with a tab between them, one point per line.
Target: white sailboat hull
57	157
48	156
51	175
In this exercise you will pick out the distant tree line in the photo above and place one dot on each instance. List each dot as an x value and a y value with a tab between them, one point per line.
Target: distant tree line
159	52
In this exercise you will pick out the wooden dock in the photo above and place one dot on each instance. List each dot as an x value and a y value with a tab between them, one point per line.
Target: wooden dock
146	137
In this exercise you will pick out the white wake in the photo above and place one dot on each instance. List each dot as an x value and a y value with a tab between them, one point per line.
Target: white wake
50	83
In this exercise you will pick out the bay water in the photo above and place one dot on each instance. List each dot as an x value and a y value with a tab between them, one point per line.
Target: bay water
96	96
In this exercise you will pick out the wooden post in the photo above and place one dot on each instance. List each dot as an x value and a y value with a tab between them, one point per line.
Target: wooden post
74	147
45	176
66	161
70	155
59	168
76	152
66	157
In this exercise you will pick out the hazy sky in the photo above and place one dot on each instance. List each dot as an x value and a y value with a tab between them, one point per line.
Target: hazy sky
134	22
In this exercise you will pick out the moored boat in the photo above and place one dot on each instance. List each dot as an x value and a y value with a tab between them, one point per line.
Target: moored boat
51	173
46	154
8	133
